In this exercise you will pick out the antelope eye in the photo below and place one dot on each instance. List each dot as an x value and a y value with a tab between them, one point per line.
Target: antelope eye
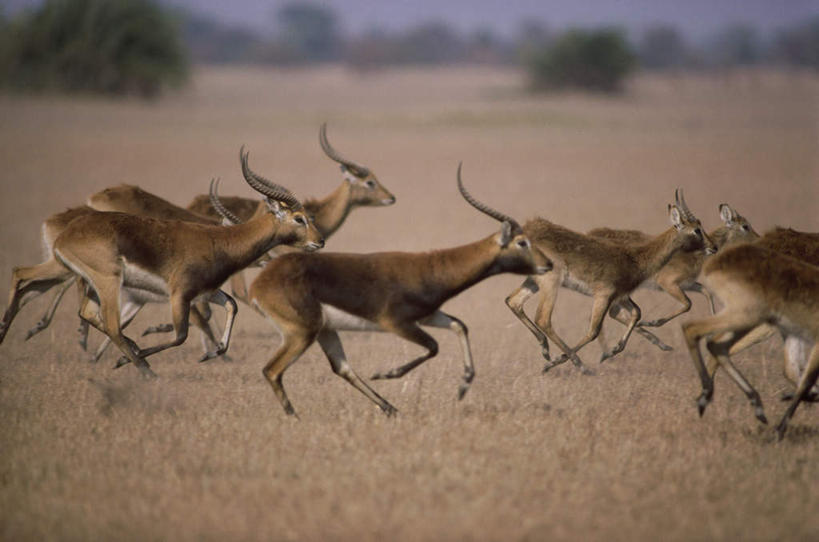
698	232
370	184
745	227
523	243
300	220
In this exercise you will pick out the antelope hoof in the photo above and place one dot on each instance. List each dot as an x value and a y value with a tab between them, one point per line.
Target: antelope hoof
544	351
120	362
548	366
389	410
702	402
147	373
384	376
760	415
462	389
84	343
161	328
781	427
41	325
586	371
227	358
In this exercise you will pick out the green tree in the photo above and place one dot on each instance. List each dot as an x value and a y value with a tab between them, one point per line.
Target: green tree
595	60
109	46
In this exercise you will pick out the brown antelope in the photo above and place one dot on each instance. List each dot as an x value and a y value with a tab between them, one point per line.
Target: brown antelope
681	271
758	286
130	260
127	199
607	272
313	296
360	188
805	247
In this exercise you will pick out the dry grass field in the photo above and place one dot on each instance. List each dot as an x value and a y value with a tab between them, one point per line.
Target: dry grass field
205	452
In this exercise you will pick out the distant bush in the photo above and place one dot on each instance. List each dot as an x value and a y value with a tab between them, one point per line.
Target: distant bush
595	60
108	46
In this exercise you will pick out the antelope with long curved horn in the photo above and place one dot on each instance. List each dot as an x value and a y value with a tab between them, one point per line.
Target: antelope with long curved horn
607	272
311	297
128	259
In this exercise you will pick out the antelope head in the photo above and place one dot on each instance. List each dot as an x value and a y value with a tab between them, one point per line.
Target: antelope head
688	226
366	190
738	226
295	227
516	254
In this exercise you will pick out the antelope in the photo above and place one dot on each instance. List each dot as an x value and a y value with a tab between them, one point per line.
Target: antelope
130	260
758	286
311	297
805	247
607	272
681	271
359	188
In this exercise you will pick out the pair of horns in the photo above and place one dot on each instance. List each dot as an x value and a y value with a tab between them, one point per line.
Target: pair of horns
266	187
356	169
217	203
482	207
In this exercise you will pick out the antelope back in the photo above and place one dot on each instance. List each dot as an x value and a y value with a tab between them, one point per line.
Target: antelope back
136	201
244	208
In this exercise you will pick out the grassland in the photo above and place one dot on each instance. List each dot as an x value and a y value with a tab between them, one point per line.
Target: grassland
206	453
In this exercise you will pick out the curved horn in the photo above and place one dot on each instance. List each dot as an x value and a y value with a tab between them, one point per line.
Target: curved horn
268	188
680	199
482	207
358	170
218	205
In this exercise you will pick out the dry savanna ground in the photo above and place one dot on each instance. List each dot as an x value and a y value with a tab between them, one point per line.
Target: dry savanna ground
205	452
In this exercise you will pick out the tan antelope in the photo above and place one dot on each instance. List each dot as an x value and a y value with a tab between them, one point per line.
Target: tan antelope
681	271
127	199
758	286
607	272
311	297
128	259
805	247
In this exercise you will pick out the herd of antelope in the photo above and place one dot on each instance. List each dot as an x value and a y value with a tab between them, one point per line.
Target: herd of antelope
127	248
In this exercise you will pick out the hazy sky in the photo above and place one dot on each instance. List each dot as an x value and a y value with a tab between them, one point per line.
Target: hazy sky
697	18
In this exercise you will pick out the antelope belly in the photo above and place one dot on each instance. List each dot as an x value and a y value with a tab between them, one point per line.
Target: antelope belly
143	284
340	320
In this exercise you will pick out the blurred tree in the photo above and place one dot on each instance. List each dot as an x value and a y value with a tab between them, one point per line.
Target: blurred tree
662	47
430	43
595	60
110	46
798	45
309	30
210	41
736	45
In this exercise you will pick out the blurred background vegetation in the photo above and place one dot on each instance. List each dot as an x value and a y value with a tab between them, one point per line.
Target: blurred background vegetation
139	47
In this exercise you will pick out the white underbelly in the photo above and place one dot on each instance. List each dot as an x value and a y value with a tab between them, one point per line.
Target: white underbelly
340	320
573	283
142	286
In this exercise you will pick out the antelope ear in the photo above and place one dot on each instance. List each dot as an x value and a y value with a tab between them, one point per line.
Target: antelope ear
675	216
275	207
726	213
506	234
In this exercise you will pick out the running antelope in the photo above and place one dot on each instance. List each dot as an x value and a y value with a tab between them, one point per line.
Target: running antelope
127	199
130	260
359	188
311	297
607	272
681	271
758	286
805	247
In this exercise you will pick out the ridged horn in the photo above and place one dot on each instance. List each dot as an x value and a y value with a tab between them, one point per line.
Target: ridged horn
680	199
356	169
482	207
266	187
218	205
